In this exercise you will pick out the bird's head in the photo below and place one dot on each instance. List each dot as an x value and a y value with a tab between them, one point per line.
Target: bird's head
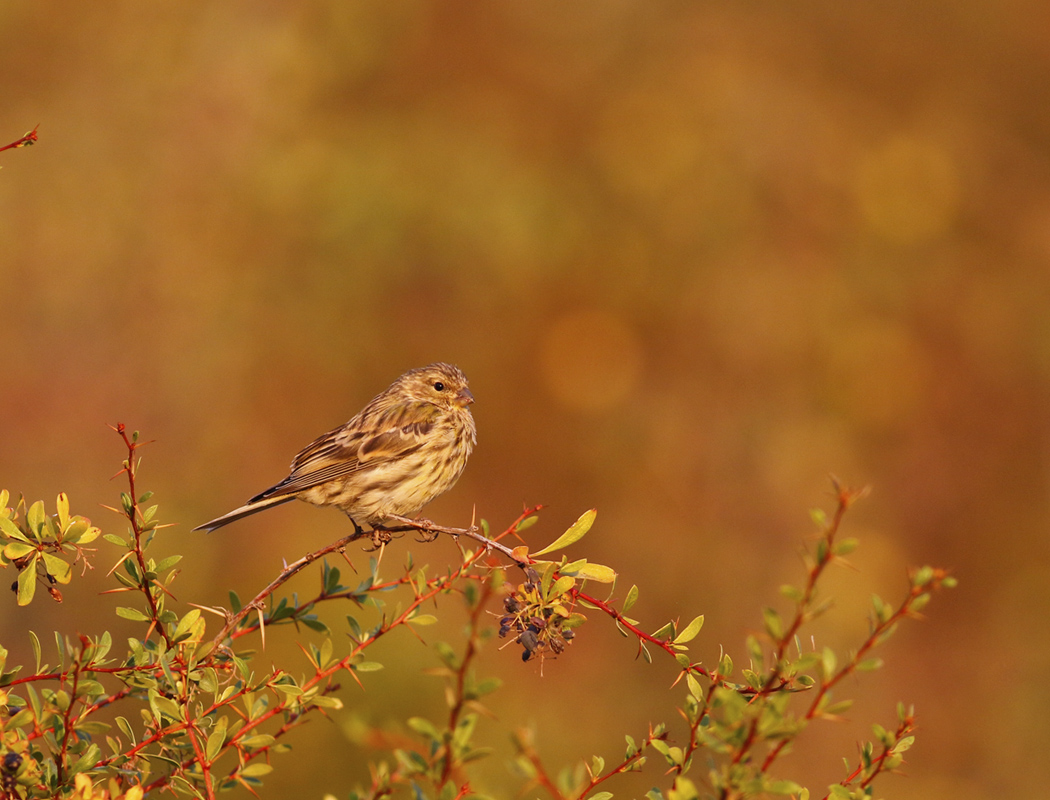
441	384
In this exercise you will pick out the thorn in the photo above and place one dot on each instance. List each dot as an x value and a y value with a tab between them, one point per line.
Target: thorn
262	627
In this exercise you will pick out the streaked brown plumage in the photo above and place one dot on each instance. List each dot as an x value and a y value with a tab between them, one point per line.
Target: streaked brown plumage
407	446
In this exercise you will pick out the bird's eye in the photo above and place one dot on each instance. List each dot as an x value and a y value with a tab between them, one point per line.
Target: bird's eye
439	386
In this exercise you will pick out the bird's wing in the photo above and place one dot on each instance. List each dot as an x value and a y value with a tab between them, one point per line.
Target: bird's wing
357	445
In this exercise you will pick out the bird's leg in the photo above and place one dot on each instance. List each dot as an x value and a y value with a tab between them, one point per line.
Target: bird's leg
382	535
424	527
358	530
426	533
379	535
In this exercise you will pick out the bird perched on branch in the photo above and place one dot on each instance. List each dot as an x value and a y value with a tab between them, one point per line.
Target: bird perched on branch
404	448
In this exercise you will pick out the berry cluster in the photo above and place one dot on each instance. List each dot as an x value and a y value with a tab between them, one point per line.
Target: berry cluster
538	614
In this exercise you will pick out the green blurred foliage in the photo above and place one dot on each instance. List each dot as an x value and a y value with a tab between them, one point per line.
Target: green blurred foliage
693	257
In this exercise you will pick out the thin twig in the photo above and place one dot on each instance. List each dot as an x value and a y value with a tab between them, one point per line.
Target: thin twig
28	139
234	620
424	526
134	516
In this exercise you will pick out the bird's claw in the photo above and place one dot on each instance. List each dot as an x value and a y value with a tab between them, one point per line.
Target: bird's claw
427	536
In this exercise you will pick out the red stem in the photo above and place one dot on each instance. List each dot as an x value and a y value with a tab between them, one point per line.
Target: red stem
28	139
132	515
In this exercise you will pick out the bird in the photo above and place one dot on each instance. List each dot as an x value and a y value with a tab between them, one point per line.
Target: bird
407	446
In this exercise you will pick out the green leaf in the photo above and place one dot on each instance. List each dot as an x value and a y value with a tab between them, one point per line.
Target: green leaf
34	641
36	516
216	739
18	549
683	789
424	727
168	563
843	547
256	770
576	531
355	629
257	741
561	586
90	757
57	568
691	630
62	503
774	627
131	613
903	744
725	666
828	662
632	598
81	532
11	530
126	729
422	619
695	689
27	582
367	666
165	707
324	656
596	572
526	523
921	576
666	630
89	688
188	627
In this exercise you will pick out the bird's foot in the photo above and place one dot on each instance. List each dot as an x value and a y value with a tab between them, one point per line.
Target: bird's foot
380	536
426	535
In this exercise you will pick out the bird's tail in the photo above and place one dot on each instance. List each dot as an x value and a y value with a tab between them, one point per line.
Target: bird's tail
247	509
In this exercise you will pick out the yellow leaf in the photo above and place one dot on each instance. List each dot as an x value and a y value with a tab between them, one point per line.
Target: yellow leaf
596	572
576	531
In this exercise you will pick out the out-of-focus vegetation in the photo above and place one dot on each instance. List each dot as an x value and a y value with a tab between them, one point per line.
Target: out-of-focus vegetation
692	257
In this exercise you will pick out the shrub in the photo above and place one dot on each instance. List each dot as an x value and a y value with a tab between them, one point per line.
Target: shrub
192	714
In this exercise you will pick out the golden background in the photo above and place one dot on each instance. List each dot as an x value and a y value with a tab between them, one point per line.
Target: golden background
694	257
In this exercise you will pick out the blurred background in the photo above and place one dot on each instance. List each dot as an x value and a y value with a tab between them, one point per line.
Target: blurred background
694	258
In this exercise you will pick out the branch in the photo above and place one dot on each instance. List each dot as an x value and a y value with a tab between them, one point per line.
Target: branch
133	514
379	535
28	139
233	620
425	526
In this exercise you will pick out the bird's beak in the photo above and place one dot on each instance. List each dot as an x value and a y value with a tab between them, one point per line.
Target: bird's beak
464	398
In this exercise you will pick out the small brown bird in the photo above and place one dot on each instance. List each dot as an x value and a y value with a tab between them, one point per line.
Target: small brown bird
407	446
